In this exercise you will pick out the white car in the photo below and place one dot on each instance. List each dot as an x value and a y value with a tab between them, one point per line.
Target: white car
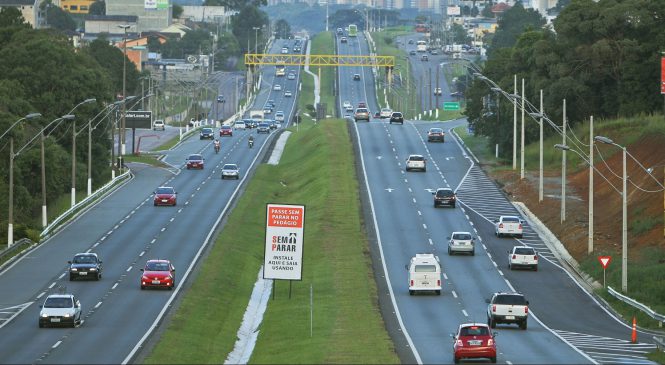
424	274
158	125
437	91
277	87
239	125
291	76
287	94
285	50
385	113
279	116
416	162
461	242
508	225
60	309
230	171
523	256
347	106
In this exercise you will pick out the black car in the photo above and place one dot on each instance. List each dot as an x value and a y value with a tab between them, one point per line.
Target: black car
207	133
263	128
444	196
356	77
85	266
396	117
412	52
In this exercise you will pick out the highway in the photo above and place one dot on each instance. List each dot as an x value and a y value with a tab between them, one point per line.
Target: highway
566	325
125	230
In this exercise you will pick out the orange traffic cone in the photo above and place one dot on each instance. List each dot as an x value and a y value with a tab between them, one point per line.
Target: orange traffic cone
633	337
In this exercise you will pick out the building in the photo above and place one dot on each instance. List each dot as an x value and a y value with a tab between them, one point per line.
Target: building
110	24
76	6
29	9
153	15
206	14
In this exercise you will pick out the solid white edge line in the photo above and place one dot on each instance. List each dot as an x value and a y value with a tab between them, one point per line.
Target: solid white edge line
98	304
114	286
383	259
52	285
56	344
167	305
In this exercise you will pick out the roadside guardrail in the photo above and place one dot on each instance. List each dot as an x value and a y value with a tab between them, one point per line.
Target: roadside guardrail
635	304
20	245
57	223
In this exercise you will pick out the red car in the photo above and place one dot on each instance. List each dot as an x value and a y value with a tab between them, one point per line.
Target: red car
165	195
226	130
194	161
362	104
474	340
158	274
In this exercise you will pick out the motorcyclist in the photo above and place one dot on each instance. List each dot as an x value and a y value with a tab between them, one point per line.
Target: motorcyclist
217	145
251	141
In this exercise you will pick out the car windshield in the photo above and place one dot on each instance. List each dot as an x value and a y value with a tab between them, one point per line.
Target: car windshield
510	300
226	127
425	268
206	130
474	331
524	251
157	266
230	167
264	125
416	158
164	190
195	157
385	110
436	130
511	219
84	259
462	236
444	193
58	302
361	110
397	115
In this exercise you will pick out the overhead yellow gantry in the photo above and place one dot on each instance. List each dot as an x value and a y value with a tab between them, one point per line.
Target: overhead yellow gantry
318	60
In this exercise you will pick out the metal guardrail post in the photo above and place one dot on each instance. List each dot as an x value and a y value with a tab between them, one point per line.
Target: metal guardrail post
635	304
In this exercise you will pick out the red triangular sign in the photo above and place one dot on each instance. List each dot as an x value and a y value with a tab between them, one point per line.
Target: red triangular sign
605	261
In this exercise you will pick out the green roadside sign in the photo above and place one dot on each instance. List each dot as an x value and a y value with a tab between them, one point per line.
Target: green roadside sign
450	105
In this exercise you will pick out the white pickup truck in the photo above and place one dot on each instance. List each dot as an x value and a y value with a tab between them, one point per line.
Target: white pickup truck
509	225
523	256
507	308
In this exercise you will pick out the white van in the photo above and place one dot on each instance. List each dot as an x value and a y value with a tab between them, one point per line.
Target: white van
424	273
239	125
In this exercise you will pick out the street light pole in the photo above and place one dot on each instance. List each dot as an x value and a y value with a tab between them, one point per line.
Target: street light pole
515	126
563	168
256	39
540	172
522	137
590	233
74	134
121	136
624	214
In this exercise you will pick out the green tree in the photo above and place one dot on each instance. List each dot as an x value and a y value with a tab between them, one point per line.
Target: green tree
237	5
243	24
282	29
514	22
58	18
177	11
111	59
98	8
11	16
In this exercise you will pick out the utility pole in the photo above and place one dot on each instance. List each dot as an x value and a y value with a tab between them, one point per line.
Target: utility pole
429	74
437	87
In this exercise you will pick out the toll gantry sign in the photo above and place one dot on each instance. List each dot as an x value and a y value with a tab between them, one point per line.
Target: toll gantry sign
282	259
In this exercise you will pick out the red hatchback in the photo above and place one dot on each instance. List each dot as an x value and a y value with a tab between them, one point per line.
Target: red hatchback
158	274
165	195
195	161
474	340
226	130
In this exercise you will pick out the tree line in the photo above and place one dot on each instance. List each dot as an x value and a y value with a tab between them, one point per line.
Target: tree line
602	57
41	72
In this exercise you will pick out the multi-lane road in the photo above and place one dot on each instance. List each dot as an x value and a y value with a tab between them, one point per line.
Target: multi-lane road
566	324
126	230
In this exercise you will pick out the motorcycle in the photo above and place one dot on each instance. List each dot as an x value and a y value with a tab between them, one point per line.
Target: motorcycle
217	148
251	143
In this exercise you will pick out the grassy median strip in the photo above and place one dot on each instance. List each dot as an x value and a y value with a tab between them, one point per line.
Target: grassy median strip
317	169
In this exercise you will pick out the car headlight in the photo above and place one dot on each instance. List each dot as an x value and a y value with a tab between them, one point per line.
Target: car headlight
43	315
93	269
67	315
144	278
74	269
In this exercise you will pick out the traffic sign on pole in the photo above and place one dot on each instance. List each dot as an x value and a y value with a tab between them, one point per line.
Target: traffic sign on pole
450	105
604	262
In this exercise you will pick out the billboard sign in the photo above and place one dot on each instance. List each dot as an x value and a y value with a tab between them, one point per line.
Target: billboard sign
282	259
662	75
141	119
454	10
150	4
162	4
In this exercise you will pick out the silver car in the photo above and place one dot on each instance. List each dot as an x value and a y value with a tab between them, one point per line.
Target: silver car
60	310
416	162
461	242
230	171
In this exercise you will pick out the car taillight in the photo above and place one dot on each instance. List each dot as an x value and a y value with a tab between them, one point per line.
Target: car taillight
438	283
459	343
514	257
490	342
500	225
535	257
520	226
526	310
494	308
411	283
